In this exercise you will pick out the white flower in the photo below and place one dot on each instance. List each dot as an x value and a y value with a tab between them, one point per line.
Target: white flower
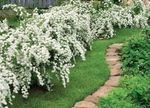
53	40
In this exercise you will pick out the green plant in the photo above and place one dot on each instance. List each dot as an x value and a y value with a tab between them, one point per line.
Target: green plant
146	34
136	56
130	93
118	98
134	89
139	93
2	1
138	6
143	99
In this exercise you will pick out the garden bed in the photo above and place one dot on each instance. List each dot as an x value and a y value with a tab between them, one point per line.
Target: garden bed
134	84
86	77
42	52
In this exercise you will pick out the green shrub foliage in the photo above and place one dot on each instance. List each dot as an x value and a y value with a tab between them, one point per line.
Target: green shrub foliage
134	90
136	55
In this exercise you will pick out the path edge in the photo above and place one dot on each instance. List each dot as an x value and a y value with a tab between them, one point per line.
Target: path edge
114	64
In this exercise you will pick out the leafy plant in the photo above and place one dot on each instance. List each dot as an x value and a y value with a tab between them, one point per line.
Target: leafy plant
135	56
51	41
139	93
134	89
116	99
129	94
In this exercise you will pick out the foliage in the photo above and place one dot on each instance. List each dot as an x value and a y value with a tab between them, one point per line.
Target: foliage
146	33
116	99
135	56
117	1
138	92
138	6
59	2
134	85
143	99
106	4
52	39
2	1
129	94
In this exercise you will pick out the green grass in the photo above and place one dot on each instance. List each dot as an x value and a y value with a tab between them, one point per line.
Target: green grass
85	78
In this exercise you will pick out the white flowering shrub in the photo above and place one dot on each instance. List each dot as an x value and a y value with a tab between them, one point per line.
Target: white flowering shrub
106	4
45	45
3	26
7	78
104	21
121	17
49	40
140	21
138	7
102	26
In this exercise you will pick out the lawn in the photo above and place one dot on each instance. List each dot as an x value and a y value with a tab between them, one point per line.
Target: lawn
85	78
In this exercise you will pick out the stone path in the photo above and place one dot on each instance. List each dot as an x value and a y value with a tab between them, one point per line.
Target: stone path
112	59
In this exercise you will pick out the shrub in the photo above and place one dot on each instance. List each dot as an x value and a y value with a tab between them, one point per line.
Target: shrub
3	26
138	92
118	98
104	20
51	40
134	89
129	94
143	99
135	56
138	6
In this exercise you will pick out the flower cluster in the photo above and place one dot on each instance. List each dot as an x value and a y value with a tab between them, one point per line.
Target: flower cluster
104	21
3	26
50	40
45	45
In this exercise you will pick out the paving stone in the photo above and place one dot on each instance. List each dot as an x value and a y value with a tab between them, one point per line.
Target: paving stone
112	63
119	44
103	91
92	99
113	81
111	50
116	66
115	72
85	104
116	46
111	54
113	58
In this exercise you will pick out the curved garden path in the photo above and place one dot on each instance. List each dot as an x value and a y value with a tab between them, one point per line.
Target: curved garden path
112	58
